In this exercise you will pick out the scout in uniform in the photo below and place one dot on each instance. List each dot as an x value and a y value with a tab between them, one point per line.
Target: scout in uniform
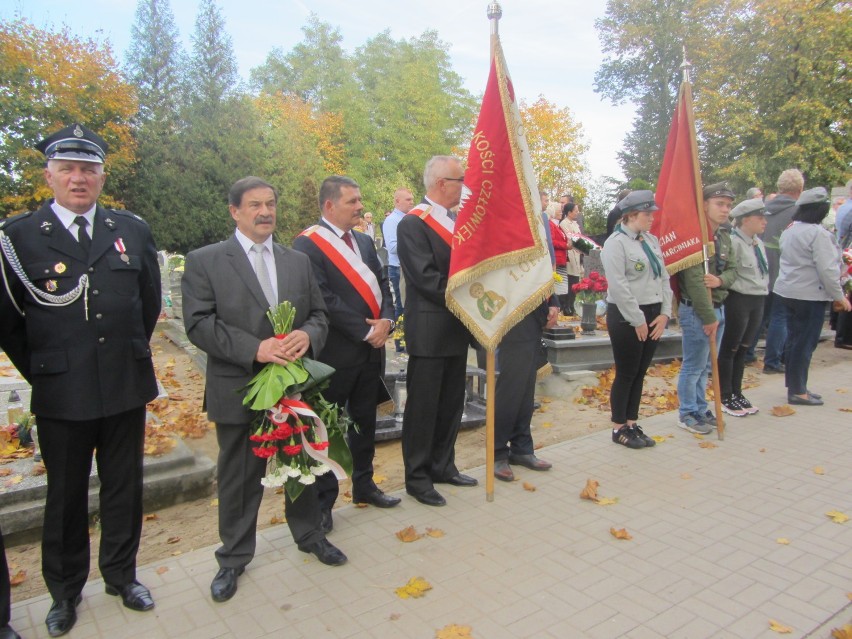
639	304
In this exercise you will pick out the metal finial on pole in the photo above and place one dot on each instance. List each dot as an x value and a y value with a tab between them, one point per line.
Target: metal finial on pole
494	15
686	65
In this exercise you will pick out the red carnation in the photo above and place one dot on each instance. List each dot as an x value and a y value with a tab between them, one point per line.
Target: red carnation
281	335
265	452
594	275
319	445
292	450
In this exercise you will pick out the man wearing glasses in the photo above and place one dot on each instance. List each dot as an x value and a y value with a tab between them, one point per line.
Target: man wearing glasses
436	340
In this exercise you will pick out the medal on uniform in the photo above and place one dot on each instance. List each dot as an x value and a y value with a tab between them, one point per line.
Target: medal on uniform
59	268
51	286
119	246
639	266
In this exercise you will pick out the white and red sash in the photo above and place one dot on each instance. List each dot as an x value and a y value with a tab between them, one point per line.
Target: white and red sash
443	227
346	260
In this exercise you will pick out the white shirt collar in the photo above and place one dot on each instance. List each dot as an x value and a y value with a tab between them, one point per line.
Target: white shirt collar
247	242
67	217
437	209
340	232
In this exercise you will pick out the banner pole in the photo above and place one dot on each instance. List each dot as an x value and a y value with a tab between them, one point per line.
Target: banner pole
490	386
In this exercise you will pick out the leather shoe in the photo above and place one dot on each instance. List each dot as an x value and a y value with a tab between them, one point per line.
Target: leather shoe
6	632
376	498
530	461
461	480
325	552
771	370
430	497
326	522
810	400
814	395
133	595
224	584
502	471
62	616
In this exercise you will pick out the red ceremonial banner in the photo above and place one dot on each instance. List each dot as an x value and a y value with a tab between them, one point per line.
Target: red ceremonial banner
680	224
499	266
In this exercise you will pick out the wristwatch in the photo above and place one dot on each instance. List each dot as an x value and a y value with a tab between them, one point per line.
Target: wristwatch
392	326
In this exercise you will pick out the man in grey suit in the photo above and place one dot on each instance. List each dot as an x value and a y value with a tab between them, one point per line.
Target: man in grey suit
227	289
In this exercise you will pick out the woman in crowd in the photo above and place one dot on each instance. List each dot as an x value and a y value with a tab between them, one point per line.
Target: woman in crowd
744	303
574	268
809	278
639	303
560	250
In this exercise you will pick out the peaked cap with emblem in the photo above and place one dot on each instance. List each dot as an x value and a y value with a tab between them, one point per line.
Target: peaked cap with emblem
748	207
638	201
812	196
720	189
75	142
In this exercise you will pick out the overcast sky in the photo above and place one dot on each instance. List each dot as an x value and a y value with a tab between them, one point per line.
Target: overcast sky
551	46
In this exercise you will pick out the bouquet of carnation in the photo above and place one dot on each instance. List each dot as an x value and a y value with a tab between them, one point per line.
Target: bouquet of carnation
846	271
582	243
295	428
590	289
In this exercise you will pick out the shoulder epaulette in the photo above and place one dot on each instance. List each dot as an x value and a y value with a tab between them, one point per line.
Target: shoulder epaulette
128	214
6	222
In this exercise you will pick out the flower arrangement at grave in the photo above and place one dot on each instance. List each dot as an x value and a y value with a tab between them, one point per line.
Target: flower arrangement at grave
299	432
590	289
846	271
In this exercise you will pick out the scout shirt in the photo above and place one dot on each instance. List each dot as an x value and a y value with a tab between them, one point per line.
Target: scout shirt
691	280
751	279
631	276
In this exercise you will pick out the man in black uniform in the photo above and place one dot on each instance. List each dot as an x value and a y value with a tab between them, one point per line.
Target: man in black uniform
79	302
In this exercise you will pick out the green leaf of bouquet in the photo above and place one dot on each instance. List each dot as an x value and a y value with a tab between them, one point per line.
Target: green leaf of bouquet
338	450
294	488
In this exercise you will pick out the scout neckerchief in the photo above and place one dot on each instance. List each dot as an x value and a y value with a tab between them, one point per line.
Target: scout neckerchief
653	260
354	269
443	227
761	260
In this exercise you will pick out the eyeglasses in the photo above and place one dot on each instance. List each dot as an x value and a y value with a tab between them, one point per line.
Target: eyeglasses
461	179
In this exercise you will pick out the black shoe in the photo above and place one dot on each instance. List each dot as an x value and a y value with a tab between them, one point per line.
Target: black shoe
503	471
771	370
62	616
133	595
224	584
814	395
460	480
626	436
326	522
810	400
536	405
648	441
6	632
375	498
530	461
325	552
430	497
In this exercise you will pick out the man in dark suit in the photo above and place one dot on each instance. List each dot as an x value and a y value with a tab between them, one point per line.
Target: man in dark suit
360	310
227	289
81	300
436	339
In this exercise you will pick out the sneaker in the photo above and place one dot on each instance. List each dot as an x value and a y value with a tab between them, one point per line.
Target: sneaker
649	442
731	406
693	424
709	420
746	405
626	436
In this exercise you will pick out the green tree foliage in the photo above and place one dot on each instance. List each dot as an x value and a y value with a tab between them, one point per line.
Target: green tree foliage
49	79
213	66
155	61
771	84
399	100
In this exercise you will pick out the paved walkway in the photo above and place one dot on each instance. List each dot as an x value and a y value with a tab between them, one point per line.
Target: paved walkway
704	561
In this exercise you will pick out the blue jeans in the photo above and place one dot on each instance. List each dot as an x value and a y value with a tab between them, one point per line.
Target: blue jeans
804	320
692	382
776	333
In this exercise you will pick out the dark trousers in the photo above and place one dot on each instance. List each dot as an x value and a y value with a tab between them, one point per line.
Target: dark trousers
804	319
743	316
356	389
433	410
66	447
777	332
632	359
238	473
5	587
567	303
515	390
